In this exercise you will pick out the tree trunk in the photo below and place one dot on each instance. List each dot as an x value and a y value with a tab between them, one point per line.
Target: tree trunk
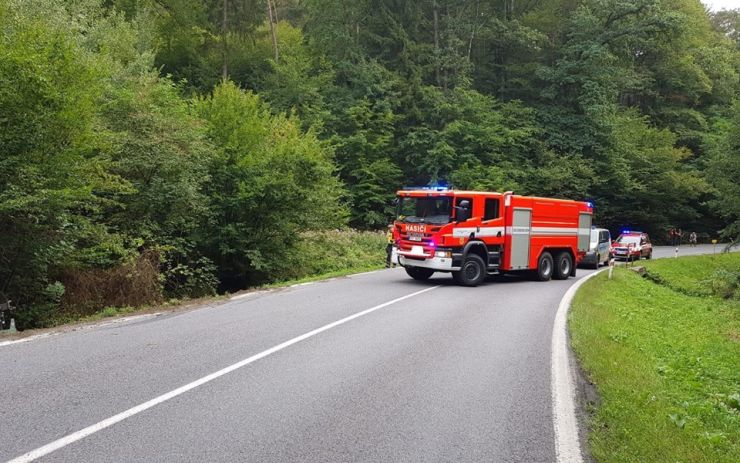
224	33
273	31
446	69
436	43
473	29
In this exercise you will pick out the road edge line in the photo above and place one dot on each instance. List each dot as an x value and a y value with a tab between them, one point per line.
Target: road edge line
83	327
103	424
562	382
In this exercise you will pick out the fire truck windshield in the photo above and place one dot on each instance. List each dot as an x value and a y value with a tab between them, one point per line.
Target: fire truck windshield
430	209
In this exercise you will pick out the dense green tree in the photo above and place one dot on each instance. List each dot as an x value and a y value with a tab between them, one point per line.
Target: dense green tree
161	151
724	172
269	182
50	171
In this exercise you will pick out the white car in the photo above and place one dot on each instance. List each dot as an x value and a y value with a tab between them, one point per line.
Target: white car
598	250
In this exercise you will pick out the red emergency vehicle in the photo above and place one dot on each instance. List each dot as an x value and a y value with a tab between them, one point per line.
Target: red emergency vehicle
474	233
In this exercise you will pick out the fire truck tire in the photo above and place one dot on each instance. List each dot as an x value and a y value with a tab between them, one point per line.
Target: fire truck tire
545	267
472	273
419	273
563	266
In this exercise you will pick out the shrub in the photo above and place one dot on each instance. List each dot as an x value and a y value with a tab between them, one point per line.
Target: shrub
329	251
190	279
725	283
134	283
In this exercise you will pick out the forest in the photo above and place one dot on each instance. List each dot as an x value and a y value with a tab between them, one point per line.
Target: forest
158	149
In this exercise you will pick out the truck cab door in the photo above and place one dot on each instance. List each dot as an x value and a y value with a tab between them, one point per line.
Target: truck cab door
492	229
465	228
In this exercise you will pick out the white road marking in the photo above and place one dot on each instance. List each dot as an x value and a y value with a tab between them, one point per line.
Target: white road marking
242	296
115	321
567	444
82	433
29	338
122	320
367	273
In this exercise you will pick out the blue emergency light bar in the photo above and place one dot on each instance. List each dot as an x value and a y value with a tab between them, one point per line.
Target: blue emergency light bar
429	188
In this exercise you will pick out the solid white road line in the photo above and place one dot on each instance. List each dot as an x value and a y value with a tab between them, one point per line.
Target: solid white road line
567	444
82	433
26	339
115	321
242	296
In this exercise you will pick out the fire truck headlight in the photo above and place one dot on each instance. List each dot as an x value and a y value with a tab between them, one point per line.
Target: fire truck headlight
447	254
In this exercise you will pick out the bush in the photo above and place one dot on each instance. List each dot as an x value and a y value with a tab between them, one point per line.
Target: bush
41	314
331	251
724	283
190	279
268	183
134	283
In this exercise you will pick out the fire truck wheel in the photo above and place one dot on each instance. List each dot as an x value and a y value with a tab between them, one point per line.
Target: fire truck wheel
472	273
563	266
544	267
419	273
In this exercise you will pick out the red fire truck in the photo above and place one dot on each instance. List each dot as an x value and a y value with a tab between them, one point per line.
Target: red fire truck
473	233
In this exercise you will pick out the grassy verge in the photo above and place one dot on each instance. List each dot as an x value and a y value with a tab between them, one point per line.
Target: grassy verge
334	252
699	275
664	354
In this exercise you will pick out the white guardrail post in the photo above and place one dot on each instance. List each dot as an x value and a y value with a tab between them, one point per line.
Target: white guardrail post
611	267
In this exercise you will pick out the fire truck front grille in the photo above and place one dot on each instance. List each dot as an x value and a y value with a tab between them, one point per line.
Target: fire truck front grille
405	245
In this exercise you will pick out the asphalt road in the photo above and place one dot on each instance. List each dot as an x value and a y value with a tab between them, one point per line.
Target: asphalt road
449	374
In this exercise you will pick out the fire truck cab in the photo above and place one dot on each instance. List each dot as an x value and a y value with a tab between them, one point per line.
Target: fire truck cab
474	233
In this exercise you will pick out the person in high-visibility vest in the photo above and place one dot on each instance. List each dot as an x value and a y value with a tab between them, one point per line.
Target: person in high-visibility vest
389	246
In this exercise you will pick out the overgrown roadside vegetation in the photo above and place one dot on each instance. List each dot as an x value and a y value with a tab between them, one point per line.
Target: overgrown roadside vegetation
317	255
664	354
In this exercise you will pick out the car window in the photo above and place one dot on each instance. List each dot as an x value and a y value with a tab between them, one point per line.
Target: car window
491	209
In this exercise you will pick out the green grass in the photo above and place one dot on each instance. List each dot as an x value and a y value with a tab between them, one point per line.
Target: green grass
666	363
697	275
335	252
